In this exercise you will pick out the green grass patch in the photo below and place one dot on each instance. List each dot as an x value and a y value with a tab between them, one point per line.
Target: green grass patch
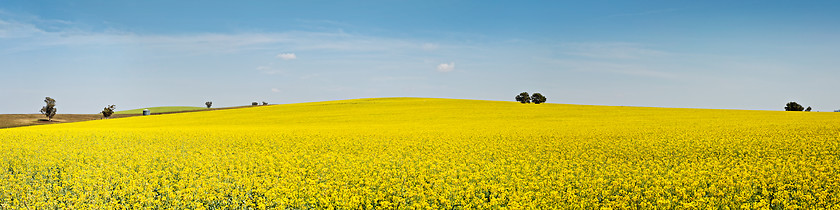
160	109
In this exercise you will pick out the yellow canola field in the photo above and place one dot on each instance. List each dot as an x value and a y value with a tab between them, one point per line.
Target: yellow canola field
419	153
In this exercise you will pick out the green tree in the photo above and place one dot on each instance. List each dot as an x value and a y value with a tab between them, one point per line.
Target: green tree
793	106
49	110
808	109
537	98
209	103
108	111
523	97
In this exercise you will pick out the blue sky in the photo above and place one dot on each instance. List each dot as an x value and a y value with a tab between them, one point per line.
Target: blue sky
702	54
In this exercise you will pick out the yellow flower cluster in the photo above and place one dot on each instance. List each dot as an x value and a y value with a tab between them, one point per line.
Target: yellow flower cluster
415	153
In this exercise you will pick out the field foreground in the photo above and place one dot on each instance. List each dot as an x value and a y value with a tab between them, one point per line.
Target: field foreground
428	153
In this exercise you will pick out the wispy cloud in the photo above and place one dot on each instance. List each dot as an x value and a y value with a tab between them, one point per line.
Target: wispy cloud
394	78
430	46
643	13
268	70
622	68
30	36
309	76
446	67
611	50
9	29
287	56
275	90
14	25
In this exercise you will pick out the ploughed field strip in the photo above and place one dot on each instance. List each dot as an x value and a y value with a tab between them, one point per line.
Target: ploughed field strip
428	153
17	120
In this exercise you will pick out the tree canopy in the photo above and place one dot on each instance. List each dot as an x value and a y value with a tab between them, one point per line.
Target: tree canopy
49	110
523	98
537	98
108	111
793	106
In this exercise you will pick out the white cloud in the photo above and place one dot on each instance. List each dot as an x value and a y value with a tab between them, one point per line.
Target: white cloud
276	90
446	67
287	56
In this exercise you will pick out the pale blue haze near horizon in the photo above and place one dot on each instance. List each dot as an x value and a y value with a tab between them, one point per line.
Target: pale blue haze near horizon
754	55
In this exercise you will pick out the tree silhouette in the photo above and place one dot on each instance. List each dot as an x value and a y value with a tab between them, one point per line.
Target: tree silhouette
523	98
537	98
49	110
793	106
108	111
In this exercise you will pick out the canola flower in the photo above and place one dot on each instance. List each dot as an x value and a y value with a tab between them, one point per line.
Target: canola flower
418	153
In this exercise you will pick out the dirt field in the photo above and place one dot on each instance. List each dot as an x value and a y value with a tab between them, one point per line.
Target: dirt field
16	120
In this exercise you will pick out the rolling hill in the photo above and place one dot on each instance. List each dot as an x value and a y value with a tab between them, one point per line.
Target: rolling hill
161	109
397	153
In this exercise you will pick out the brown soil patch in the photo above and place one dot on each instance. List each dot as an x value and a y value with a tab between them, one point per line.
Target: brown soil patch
17	120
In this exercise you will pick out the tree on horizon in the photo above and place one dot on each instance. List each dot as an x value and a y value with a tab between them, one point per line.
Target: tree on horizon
108	111
49	110
537	98
523	98
793	106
